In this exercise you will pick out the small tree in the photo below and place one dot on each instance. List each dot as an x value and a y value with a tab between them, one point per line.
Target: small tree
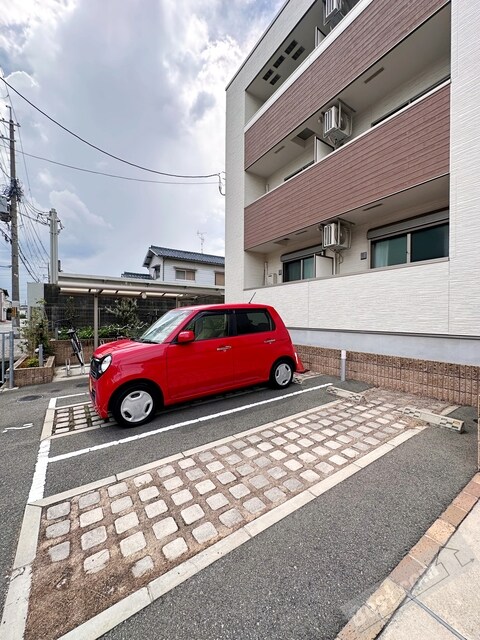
125	312
35	331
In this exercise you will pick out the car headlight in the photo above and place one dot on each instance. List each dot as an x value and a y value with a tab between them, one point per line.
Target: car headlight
105	363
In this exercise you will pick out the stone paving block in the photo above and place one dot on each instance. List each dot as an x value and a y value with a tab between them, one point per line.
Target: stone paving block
231	518
58	511
204	532
117	489
233	459
322	451
142	566
204	487
254	505
148	494
175	549
351	453
265	446
292	448
239	490
185	464
336	459
372	441
278	455
268	434
217	501
305	442
96	562
142	480
93	538
227	477
132	544
280	429
195	474
303	420
192	514
304	430
325	422
277	473
121	504
182	497
213	467
239	444
292	435
365	429
58	529
355	434
333	444
173	483
164	528
329	432
361	446
245	469
165	471
206	456
88	500
124	523
275	494
440	531
250	452
59	551
307	458
292	484
324	467
279	440
90	517
262	462
223	450
253	439
293	465
259	481
155	508
344	439
310	476
318	437
292	425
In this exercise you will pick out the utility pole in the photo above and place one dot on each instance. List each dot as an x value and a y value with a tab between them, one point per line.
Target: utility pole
14	230
201	235
54	231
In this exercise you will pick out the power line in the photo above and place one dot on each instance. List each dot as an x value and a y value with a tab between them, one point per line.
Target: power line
109	175
111	155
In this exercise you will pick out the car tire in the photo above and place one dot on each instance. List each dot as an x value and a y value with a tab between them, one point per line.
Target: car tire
281	374
135	405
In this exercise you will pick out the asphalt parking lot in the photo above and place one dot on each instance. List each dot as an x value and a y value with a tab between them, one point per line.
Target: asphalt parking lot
298	579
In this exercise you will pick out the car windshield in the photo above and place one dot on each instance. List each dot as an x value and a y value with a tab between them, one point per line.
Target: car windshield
164	326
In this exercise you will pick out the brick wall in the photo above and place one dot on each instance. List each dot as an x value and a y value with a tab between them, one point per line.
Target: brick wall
24	377
458	384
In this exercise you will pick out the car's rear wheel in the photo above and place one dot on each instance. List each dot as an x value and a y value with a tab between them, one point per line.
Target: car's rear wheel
135	405
281	374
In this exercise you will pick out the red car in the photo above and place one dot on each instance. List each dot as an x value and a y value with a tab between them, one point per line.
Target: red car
191	352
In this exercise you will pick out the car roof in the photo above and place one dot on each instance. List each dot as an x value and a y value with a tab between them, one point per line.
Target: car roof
226	306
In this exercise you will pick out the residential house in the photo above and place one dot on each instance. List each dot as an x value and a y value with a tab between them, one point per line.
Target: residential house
353	193
185	267
4	304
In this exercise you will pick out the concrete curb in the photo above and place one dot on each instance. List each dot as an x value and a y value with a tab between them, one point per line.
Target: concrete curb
375	614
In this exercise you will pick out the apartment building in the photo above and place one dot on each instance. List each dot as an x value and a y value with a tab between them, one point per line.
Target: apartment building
353	200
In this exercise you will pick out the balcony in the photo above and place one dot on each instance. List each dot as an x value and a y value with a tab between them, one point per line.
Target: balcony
357	50
407	149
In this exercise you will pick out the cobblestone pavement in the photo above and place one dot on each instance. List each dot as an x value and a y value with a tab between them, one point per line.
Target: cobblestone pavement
97	547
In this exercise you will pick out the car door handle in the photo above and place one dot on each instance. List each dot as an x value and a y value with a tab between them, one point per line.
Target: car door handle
269	341
226	348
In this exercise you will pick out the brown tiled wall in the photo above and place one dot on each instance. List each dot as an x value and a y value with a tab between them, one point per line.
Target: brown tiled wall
24	377
454	383
409	149
379	28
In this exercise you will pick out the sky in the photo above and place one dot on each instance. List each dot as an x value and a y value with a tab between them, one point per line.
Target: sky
142	79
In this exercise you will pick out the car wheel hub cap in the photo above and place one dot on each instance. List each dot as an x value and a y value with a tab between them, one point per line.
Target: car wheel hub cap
282	374
136	406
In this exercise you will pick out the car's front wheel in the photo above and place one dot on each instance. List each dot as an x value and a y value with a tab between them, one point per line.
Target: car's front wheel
282	374
135	405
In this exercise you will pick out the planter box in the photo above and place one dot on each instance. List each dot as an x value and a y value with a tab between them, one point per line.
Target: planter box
25	376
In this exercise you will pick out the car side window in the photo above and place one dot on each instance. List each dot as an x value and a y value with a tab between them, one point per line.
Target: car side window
253	321
206	326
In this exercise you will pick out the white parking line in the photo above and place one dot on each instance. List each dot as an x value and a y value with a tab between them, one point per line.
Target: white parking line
146	434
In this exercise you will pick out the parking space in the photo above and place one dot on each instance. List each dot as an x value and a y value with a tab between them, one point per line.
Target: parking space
100	544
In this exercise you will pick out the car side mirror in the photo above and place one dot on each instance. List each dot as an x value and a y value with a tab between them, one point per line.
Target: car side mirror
185	337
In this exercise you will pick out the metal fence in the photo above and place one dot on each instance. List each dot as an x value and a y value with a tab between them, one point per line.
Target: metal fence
7	348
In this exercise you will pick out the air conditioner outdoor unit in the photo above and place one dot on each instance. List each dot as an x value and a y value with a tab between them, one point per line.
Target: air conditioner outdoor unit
337	124
334	11
337	235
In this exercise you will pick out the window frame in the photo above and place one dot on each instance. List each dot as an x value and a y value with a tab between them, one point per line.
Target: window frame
185	270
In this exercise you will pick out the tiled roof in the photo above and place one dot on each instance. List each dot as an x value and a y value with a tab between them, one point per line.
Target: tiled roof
191	256
140	276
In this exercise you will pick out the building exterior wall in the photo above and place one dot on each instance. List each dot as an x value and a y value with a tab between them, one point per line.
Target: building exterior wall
204	273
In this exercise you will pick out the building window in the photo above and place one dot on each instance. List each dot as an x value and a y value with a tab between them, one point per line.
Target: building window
414	245
300	269
156	271
219	279
184	274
